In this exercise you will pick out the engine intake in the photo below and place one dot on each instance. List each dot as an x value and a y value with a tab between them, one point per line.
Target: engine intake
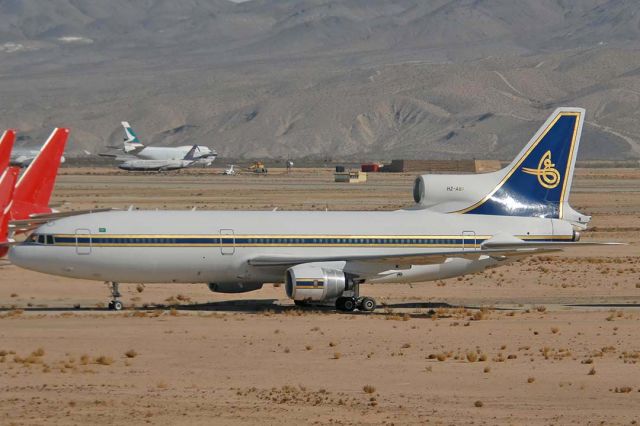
314	283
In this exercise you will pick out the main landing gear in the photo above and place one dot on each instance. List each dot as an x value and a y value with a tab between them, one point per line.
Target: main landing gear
354	301
350	304
115	304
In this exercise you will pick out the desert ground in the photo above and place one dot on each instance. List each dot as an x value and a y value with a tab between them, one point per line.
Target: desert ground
545	340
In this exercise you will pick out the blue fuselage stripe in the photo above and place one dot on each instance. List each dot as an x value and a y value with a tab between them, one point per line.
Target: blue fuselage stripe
267	241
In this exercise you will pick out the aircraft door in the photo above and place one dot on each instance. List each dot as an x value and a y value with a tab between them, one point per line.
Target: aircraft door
83	241
227	241
468	240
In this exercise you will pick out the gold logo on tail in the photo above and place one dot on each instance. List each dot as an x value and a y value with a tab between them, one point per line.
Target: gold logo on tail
548	175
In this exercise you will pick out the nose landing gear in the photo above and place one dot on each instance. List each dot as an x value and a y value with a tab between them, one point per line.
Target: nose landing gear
115	304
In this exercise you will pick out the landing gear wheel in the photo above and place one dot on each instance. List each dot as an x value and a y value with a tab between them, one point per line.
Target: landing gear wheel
115	304
349	304
301	303
367	304
340	303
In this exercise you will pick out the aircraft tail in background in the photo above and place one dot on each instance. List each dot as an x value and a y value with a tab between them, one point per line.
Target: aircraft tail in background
131	142
6	146
7	185
34	188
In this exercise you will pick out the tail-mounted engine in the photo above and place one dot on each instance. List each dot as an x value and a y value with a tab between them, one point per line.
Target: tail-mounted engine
314	283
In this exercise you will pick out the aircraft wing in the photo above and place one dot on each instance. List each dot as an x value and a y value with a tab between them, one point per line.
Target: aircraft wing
36	220
425	258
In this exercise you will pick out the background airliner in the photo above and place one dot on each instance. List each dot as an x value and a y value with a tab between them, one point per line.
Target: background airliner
161	165
134	149
460	225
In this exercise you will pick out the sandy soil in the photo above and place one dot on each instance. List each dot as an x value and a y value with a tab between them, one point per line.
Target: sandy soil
548	340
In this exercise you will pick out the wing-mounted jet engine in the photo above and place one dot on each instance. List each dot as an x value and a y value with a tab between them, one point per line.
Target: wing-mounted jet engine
311	282
537	183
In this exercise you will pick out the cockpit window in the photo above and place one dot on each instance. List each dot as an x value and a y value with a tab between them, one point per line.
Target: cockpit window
41	239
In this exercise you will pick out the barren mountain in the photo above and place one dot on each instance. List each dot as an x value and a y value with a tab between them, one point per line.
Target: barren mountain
373	79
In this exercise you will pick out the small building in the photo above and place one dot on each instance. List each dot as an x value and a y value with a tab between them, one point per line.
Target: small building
370	167
350	176
443	166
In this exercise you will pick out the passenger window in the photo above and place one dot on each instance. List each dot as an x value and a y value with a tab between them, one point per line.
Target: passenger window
40	239
49	239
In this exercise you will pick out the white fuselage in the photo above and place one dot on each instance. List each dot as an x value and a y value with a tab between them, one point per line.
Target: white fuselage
155	165
217	246
172	153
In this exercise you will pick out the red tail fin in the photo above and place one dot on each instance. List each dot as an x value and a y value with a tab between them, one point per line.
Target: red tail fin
36	184
7	185
6	145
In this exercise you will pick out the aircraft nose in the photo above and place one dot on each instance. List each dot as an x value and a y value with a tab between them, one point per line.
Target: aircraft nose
21	256
15	255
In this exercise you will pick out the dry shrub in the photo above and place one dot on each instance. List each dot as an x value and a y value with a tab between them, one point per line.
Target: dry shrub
308	347
623	389
368	389
478	404
531	379
131	353
406	346
541	308
472	356
487	369
337	355
183	298
592	372
441	357
104	360
38	352
555	330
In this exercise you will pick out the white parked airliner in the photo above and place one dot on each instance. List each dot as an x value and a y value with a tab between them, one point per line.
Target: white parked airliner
460	224
145	156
